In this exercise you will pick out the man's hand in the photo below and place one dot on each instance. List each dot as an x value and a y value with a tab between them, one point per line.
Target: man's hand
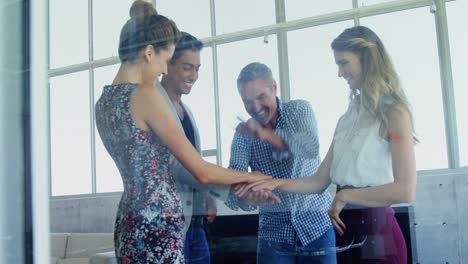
251	128
211	209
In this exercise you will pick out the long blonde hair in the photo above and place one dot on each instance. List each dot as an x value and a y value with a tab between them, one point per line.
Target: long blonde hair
381	89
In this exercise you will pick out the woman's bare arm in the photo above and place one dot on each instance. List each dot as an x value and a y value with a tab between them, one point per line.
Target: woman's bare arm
149	110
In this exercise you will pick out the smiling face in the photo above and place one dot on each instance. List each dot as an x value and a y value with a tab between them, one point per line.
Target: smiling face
349	67
183	72
260	101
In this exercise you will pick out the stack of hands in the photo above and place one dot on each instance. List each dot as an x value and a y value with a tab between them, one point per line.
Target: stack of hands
256	193
260	193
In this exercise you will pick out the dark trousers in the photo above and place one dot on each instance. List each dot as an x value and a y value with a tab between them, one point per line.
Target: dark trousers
196	246
321	250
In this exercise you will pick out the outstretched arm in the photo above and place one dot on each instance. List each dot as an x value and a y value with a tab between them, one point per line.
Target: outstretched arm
184	176
316	183
150	111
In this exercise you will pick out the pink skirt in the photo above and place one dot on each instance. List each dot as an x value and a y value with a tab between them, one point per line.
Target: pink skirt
372	235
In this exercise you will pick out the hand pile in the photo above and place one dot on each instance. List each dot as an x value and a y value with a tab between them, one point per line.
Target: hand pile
256	193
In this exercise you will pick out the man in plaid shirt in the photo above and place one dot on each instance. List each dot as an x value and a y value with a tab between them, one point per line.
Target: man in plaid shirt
281	140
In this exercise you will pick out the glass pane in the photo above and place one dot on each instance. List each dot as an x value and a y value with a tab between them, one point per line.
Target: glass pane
70	134
201	101
211	159
18	186
191	16
456	13
68	36
371	2
245	13
314	77
296	9
107	175
108	19
103	76
410	39
232	58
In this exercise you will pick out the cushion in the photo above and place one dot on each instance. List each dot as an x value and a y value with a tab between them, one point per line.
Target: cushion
103	258
53	260
85	245
73	261
58	244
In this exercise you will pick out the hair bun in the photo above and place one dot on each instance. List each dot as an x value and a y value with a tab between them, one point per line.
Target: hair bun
141	8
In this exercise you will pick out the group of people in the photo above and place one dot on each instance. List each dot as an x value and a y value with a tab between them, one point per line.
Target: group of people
168	188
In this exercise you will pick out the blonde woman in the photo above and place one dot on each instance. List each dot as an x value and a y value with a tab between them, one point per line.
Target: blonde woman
371	158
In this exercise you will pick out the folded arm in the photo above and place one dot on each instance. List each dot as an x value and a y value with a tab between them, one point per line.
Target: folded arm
299	139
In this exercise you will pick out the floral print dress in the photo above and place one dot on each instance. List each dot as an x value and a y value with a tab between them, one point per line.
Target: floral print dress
150	221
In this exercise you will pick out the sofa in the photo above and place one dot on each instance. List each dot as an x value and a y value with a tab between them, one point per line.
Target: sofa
82	248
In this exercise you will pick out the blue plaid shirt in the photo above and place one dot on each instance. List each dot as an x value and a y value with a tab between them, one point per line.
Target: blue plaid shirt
302	214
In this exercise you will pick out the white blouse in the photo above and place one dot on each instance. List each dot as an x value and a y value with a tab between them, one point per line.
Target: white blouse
361	158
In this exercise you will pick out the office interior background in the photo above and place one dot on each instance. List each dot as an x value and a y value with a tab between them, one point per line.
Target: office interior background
56	55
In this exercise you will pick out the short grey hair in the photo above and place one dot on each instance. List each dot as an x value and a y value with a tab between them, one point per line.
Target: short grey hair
254	71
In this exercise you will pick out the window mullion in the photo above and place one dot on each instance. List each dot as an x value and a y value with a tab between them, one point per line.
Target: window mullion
447	84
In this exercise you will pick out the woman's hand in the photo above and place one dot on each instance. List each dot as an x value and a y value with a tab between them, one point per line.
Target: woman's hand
269	185
253	177
335	210
259	198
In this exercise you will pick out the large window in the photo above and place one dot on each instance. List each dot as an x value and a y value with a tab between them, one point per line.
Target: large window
458	23
314	76
190	16
68	32
412	45
108	19
231	106
84	37
70	134
297	9
246	14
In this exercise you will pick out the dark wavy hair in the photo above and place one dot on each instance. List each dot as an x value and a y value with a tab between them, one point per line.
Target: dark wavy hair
186	42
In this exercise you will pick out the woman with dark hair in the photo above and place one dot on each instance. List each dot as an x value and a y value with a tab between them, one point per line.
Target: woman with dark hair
140	133
371	158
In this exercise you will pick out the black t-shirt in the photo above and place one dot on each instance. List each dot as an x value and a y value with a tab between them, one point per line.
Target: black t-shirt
188	128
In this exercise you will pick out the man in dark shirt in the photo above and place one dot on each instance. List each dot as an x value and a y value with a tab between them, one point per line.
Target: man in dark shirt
197	202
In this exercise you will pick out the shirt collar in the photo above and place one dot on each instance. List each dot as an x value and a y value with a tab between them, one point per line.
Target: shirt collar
280	107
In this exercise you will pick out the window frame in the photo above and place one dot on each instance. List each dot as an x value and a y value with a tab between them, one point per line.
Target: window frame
280	29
